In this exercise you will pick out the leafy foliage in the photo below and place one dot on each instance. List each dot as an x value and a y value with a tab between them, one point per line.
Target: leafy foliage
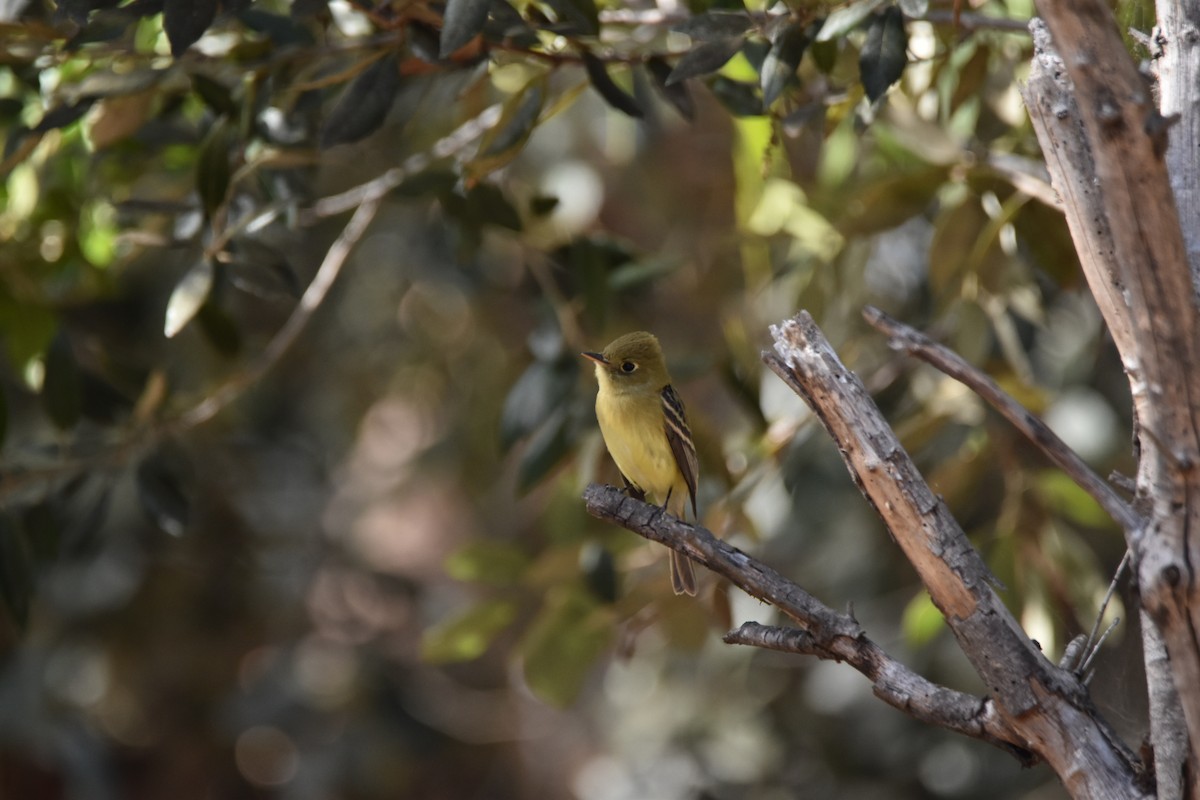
174	175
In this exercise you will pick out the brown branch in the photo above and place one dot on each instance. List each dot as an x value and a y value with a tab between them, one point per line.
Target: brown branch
1048	706
825	633
895	684
908	340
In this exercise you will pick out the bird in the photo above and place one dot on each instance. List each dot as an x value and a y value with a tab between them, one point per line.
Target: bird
646	432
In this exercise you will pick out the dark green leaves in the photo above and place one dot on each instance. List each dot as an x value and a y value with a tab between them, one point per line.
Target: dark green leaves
884	54
674	93
62	395
604	85
704	58
502	143
16	570
213	167
161	495
185	21
542	388
576	17
363	105
462	22
716	26
783	59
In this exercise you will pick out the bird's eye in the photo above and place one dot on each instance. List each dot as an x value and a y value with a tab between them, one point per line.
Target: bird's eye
628	367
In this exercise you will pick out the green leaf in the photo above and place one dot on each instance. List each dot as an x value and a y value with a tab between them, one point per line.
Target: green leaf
741	99
261	270
487	205
363	105
676	94
846	19
533	399
467	636
62	394
1065	497
783	60
704	58
576	17
716	26
185	21
501	144
16	571
489	562
884	53
462	22
921	621
215	94
213	168
188	296
162	496
569	634
548	446
604	85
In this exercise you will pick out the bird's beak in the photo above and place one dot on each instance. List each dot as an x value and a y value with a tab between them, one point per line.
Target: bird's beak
598	358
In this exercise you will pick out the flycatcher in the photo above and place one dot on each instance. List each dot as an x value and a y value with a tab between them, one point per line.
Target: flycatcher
646	433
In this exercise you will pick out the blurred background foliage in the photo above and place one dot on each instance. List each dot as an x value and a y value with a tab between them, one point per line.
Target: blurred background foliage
370	575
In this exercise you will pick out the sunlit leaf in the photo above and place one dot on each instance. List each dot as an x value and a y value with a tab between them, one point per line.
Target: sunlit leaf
783	60
189	294
884	53
62	395
185	21
607	88
462	22
921	621
363	105
846	19
489	562
563	643
533	399
467	636
704	58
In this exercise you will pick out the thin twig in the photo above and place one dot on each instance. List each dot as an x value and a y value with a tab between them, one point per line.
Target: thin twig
286	336
1087	653
913	342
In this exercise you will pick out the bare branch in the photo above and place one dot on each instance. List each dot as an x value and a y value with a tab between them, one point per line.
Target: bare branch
1045	704
914	343
826	633
896	685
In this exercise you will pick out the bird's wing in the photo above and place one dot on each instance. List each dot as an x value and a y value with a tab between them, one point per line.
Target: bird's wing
679	435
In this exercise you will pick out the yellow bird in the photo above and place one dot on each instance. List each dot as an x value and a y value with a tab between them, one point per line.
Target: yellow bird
646	432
